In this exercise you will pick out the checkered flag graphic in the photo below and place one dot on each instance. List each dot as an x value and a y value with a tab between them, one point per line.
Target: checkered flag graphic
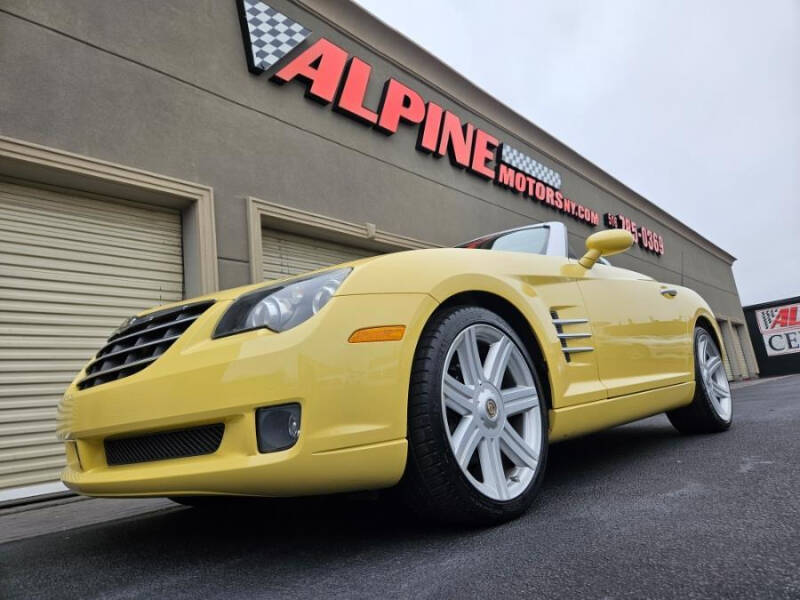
270	35
767	317
522	162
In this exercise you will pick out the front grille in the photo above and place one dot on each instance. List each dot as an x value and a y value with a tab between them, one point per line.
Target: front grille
139	343
164	445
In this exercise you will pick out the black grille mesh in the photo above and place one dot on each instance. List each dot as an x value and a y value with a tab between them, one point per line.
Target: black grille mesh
140	343
164	445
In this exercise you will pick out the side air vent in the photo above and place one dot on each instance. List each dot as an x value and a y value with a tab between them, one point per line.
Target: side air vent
566	336
139	343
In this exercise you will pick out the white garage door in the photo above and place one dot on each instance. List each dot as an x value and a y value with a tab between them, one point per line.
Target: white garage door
291	254
71	269
727	360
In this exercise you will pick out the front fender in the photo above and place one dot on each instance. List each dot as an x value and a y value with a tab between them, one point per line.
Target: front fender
532	284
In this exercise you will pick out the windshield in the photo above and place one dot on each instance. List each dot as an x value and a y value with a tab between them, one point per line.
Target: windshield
532	240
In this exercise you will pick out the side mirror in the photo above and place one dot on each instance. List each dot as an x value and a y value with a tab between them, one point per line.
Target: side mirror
605	243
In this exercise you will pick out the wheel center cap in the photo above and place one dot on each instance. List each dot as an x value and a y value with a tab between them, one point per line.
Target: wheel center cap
491	408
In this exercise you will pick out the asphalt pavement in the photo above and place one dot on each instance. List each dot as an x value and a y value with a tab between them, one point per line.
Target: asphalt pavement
634	512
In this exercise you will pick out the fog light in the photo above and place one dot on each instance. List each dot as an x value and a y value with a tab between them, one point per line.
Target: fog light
277	427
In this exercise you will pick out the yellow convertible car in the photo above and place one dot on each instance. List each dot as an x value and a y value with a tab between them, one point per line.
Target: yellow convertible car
446	371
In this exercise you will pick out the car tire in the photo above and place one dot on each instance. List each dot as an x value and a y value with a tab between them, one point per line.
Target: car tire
439	485
711	410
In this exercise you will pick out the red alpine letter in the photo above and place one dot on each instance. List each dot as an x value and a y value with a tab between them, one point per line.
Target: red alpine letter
320	67
399	102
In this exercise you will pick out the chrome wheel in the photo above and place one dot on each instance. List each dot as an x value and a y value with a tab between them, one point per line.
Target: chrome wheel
713	376
491	412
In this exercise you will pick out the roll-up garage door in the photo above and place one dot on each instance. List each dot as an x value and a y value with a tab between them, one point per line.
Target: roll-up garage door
71	269
286	253
727	358
738	351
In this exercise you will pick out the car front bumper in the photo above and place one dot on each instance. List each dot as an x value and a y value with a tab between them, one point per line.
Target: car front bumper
353	399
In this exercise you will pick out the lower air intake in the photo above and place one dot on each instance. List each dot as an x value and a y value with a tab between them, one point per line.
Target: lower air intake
164	445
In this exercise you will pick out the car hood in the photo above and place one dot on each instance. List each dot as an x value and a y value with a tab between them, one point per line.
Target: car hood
428	271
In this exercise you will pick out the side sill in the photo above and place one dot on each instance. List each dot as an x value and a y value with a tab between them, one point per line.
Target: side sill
573	421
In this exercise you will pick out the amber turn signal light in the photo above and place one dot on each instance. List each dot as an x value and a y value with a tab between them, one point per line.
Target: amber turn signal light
386	333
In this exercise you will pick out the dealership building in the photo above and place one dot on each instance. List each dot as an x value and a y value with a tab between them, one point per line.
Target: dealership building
151	152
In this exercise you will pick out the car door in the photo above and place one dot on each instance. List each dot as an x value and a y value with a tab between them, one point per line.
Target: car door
640	329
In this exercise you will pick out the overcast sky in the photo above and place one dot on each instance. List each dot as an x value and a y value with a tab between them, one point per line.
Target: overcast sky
695	104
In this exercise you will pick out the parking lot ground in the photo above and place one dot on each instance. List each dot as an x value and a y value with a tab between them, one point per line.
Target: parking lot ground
634	512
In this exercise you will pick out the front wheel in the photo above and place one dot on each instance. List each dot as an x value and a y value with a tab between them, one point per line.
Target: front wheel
711	410
477	422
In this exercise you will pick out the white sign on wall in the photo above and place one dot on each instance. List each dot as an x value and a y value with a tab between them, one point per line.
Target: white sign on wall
780	328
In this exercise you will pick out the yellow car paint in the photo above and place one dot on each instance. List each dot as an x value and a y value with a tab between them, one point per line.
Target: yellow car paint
354	395
605	243
578	420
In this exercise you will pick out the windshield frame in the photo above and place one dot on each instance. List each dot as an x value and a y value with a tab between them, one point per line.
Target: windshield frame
556	239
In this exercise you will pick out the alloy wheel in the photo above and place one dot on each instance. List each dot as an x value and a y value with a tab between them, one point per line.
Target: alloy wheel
713	376
490	406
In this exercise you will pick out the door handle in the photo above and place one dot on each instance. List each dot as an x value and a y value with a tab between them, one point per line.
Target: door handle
671	292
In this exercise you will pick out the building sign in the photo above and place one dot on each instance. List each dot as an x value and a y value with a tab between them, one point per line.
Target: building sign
522	174
269	34
646	238
333	77
780	328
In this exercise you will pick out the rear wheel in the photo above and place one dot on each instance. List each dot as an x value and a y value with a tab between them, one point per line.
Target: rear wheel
477	427
711	410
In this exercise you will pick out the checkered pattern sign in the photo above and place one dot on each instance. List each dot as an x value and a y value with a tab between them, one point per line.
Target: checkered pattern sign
522	162
272	34
766	317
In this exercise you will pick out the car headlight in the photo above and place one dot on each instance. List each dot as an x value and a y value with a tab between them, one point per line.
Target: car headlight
283	306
